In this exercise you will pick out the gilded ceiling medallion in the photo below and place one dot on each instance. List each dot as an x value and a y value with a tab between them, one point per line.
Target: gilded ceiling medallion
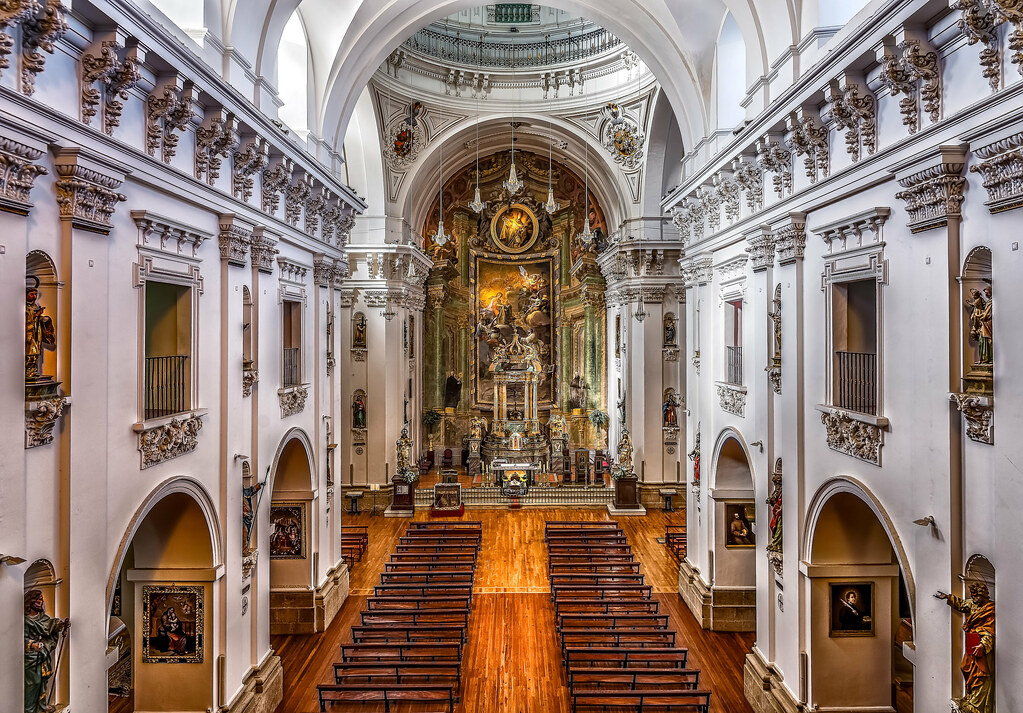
514	228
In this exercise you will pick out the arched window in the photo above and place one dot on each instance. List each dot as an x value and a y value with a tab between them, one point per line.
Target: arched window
293	76
731	74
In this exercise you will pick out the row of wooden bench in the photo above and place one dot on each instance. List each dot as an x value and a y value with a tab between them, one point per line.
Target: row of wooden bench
354	541
619	651
407	648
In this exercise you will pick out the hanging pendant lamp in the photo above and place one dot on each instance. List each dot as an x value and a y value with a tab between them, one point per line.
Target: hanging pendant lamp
441	238
586	237
551	206
513	184
476	205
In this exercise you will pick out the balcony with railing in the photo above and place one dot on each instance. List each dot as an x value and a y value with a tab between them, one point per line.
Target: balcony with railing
733	365
166	385
856	381
291	371
512	55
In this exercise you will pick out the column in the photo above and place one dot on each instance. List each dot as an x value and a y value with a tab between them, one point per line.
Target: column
436	295
590	347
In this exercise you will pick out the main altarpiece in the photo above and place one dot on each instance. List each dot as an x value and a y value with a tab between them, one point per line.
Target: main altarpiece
515	276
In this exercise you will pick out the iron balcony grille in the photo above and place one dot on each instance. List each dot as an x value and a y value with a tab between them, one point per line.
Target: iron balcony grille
510	55
513	13
856	381
166	387
733	375
291	359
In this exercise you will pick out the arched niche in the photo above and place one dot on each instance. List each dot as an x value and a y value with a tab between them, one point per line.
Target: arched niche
976	290
291	536
40	266
248	358
860	602
734	523
168	559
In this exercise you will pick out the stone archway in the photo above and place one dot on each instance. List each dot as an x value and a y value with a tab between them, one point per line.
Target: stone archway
859	603
164	585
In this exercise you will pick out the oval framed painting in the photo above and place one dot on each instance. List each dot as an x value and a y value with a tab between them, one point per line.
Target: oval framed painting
514	228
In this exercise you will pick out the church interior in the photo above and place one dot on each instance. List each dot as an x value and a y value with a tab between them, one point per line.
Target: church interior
459	289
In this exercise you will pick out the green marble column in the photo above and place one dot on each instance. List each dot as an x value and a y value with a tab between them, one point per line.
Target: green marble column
439	374
463	365
566	361
590	352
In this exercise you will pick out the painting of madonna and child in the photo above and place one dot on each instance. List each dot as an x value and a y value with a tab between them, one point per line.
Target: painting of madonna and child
173	621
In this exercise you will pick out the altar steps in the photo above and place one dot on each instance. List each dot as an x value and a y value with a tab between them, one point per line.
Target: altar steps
538	496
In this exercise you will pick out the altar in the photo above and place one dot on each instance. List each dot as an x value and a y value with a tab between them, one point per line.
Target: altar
515	478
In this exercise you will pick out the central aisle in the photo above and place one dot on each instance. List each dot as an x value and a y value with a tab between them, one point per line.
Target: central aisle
512	663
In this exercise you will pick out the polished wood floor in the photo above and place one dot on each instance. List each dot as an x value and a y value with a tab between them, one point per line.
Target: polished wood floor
512	663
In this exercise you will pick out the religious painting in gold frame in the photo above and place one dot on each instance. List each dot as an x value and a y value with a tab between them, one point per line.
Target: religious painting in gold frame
514	228
513	297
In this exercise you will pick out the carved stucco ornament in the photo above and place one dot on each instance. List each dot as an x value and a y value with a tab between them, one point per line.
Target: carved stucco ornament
732	400
979	414
292	400
40	417
170	440
852	436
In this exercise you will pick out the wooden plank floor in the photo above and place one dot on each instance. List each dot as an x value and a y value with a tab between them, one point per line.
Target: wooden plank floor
512	663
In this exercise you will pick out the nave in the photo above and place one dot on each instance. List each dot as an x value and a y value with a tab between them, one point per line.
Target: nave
512	662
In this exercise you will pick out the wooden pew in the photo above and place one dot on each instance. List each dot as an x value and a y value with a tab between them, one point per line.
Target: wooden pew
596	579
415	617
435	549
610	591
446	525
398	673
397	633
399	602
632	678
593	568
404	651
579	524
617	638
675	541
590	558
661	699
608	539
606	606
423	590
441	541
619	621
429	567
426	577
627	656
435	557
388	695
584	549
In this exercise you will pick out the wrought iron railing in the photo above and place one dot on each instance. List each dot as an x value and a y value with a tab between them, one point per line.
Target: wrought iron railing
513	12
472	52
291	373
856	381
557	496
166	387
733	367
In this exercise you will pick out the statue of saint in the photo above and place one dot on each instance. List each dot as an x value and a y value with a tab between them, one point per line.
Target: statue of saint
403	450
42	637
359	411
621	409
359	332
625	451
452	390
477	426
776	318
39	332
774	546
669	409
556	424
986	341
669	331
249	506
577	393
694	456
978	665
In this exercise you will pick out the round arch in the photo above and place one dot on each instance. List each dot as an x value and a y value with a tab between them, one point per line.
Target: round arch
850	485
609	191
299	435
724	436
177	484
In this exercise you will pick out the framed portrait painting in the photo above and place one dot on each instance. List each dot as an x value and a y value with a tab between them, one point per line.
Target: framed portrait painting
852	608
287	531
172	624
739	518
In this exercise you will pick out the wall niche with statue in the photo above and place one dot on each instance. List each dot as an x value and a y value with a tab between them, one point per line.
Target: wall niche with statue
976	400
44	400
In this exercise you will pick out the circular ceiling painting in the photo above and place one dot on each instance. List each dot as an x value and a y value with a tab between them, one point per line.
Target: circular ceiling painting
514	228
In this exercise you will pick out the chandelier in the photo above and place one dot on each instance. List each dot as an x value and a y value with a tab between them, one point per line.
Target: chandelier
551	206
441	238
476	205
586	237
513	184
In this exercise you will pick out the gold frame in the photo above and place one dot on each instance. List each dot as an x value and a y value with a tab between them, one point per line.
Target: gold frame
526	245
151	590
